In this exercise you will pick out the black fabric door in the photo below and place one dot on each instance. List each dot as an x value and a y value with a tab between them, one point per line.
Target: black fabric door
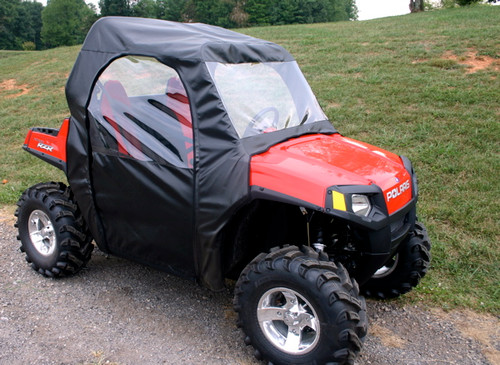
142	163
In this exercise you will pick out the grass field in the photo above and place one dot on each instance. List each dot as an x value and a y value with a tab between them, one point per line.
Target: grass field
423	85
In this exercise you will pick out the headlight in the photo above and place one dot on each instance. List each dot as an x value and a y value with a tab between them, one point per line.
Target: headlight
360	204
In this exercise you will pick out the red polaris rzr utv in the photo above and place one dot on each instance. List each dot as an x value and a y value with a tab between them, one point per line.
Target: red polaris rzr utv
203	152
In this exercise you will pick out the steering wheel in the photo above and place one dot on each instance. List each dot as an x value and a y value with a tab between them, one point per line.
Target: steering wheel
259	124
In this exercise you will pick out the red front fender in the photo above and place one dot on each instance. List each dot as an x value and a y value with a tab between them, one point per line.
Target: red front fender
305	167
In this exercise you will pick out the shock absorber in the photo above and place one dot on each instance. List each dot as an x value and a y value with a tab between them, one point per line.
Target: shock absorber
318	244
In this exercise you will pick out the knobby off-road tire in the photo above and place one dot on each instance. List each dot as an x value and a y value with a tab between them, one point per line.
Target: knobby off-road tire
403	272
295	309
52	231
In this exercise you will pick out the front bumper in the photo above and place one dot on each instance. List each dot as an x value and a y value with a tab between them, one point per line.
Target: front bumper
379	234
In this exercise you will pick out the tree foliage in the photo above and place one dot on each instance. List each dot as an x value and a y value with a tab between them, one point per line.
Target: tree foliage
144	9
417	5
453	3
472	2
28	24
20	22
466	2
171	10
66	22
8	14
238	13
114	7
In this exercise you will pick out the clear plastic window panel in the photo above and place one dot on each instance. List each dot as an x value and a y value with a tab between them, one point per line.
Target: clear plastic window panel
265	97
140	110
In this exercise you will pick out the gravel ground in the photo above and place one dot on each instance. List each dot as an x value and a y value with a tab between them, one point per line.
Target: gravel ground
118	312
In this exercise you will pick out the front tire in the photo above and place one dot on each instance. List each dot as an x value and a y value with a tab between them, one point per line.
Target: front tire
404	270
296	309
52	231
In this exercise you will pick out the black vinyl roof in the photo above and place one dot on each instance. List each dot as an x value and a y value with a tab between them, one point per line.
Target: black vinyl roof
179	45
165	39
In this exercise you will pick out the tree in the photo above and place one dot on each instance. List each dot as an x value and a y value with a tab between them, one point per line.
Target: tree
66	22
144	8
343	10
417	5
20	22
28	24
466	2
454	3
351	9
8	15
258	11
171	10
114	7
286	12
275	12
215	12
238	14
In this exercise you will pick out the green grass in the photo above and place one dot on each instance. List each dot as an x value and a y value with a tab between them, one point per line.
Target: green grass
390	82
44	74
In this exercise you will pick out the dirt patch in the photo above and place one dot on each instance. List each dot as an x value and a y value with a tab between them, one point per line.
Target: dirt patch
7	215
420	60
333	105
413	335
387	337
11	85
483	328
473	62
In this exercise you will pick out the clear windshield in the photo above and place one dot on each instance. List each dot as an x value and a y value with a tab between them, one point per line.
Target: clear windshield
265	97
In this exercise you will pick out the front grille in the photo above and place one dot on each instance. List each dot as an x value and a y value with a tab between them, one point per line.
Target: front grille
396	226
399	230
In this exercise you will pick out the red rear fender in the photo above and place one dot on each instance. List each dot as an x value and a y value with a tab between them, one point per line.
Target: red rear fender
49	144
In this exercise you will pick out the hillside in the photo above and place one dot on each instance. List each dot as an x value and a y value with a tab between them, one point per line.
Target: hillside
423	85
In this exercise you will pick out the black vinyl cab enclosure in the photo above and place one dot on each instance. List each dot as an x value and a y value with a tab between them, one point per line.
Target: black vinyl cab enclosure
203	152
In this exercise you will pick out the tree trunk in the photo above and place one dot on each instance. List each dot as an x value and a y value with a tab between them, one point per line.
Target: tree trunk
416	5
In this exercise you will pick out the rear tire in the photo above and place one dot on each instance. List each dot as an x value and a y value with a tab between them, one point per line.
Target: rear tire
295	309
403	271
52	231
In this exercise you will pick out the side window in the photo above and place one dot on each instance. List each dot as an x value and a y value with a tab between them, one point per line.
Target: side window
139	109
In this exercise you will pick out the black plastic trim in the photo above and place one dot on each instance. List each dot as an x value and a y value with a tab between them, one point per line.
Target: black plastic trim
409	167
255	145
60	164
376	219
257	192
380	242
50	131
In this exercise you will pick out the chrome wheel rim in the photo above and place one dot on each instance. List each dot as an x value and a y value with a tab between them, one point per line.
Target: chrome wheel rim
288	321
388	268
42	233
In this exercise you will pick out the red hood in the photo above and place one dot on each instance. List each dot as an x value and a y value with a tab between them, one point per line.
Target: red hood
305	167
